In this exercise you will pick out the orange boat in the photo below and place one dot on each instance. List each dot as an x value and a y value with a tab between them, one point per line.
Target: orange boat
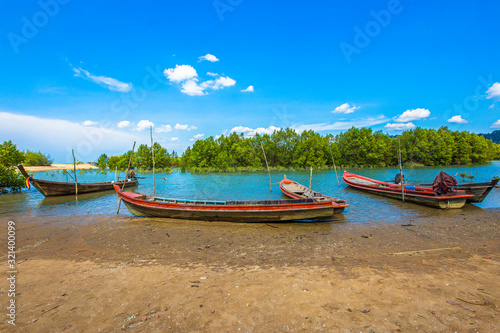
295	190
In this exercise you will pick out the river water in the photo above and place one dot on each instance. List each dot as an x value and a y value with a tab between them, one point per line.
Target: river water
364	208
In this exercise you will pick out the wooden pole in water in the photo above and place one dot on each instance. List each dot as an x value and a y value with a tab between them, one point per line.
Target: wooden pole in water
401	170
153	156
311	178
116	170
267	166
333	162
74	171
128	168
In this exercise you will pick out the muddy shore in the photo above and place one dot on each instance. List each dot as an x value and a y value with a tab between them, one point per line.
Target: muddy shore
114	273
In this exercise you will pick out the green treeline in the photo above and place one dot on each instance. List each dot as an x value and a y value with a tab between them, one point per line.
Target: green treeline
10	156
142	159
357	147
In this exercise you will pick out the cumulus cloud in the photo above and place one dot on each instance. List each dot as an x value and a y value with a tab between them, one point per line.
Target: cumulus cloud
345	108
164	129
197	137
123	124
249	89
184	127
143	124
494	91
212	74
457	120
89	123
341	125
192	88
180	73
410	115
106	82
223	82
174	139
399	126
252	132
496	124
208	57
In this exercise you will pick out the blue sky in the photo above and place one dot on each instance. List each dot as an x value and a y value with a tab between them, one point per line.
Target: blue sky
94	75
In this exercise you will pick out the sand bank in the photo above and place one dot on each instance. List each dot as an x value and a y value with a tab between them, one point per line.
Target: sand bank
55	167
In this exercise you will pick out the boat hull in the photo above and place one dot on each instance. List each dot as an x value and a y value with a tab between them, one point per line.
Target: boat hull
422	196
300	193
51	188
479	190
273	211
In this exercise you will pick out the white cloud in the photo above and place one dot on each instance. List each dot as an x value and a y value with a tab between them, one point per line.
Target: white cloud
410	115
251	132
143	124
180	73
496	124
192	88
197	137
164	129
494	91
491	107
457	120
107	82
223	82
185	127
212	74
89	123
123	124
249	89
345	108
399	126
341	125
208	57
174	139
57	137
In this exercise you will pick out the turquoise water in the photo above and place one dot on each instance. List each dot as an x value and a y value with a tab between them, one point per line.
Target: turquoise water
365	208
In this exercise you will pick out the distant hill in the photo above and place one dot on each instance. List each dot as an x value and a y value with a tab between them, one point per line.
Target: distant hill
493	136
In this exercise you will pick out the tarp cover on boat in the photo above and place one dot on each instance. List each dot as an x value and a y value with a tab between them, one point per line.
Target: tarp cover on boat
443	182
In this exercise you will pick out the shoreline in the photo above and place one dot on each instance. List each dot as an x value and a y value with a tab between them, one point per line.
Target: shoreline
119	272
57	167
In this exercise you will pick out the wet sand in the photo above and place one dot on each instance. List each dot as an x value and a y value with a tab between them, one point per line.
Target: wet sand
56	167
114	273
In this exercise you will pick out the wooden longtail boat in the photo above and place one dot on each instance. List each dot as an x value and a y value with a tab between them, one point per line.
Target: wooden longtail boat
417	194
232	211
478	190
51	188
295	190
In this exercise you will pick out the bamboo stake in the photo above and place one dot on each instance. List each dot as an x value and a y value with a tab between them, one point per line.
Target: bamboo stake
329	147
267	166
116	170
311	178
153	156
128	168
401	171
74	171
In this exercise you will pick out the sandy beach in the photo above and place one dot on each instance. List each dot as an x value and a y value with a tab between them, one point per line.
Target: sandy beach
55	167
114	273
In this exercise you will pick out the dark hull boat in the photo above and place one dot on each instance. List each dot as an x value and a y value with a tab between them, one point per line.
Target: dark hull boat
478	190
51	188
295	190
417	194
231	211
